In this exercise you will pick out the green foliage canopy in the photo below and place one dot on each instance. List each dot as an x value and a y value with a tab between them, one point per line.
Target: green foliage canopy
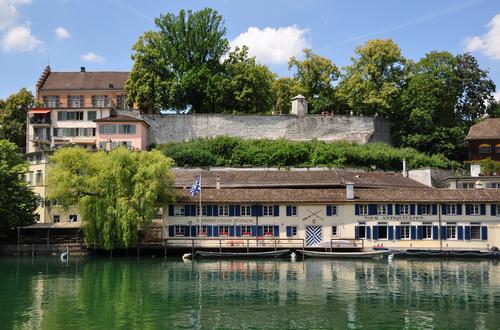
117	193
13	117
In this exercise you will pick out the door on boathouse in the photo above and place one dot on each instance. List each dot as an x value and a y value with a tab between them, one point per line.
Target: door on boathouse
313	235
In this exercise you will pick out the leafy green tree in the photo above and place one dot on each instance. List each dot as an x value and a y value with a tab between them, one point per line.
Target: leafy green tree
316	75
13	117
493	109
372	83
173	66
17	200
117	193
284	89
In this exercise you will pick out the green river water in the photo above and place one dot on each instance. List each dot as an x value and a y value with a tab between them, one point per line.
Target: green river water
158	293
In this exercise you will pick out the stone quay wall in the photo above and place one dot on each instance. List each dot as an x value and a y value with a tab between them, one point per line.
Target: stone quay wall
175	128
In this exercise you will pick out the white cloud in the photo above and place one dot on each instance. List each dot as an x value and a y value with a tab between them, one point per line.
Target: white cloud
19	38
8	14
61	33
496	96
488	43
271	45
92	57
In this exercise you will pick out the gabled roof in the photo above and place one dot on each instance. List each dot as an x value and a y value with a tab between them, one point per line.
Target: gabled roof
487	129
120	118
101	80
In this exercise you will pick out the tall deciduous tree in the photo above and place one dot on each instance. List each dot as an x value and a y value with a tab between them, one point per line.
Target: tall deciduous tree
13	117
316	75
284	90
117	193
17	200
174	65
372	83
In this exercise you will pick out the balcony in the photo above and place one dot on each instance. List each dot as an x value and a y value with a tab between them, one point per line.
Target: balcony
41	138
40	120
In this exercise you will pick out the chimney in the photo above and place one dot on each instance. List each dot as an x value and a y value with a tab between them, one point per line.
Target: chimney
405	174
82	69
299	106
349	190
217	182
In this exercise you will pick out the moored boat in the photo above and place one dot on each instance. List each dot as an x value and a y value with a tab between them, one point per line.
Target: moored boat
344	255
262	254
447	254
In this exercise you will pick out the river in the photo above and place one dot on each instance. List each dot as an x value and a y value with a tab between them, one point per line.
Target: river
158	293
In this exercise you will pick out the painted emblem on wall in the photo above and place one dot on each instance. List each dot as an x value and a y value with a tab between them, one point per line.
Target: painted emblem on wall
313	216
313	235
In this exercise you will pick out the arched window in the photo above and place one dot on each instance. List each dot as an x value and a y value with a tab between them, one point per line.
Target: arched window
484	148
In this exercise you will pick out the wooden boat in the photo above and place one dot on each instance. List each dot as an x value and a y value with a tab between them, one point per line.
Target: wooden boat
263	254
447	254
344	255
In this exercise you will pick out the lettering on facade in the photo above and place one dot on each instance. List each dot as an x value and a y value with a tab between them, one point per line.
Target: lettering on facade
236	221
391	218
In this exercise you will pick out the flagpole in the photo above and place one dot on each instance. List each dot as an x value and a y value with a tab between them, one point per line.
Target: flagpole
200	212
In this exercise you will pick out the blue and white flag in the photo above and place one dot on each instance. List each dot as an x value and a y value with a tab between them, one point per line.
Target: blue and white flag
196	187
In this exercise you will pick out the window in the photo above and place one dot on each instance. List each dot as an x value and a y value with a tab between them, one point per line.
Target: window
246	230
55	202
475	209
427	231
121	102
73	218
39	178
69	115
334	209
179	210
75	101
91	115
29	177
467	185
126	129
382	231
475	231
293	210
51	101
405	231
56	218
223	230
38	159
107	129
497	206
451	231
224	210
495	185
179	230
451	209
362	230
404	209
245	210
268	230
100	101
382	209
426	209
335	231
203	210
363	209
268	210
203	231
484	149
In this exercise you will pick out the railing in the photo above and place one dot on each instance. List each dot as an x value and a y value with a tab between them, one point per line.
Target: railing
38	120
41	138
347	243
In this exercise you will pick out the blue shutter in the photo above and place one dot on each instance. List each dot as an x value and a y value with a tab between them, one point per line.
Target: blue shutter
210	231
413	232
238	231
443	232
398	212
171	231
231	210
484	233
187	210
215	231
375	232
170	210
193	210
467	209
435	232
288	231
391	232
389	209
483	209
460	232
419	209
356	209
276	210
209	210
420	232
356	232
194	231
412	209
493	209
328	210
459	209
435	209
368	232
259	210
253	211
186	231
231	231
443	209
260	231
215	211
398	232
276	231
254	231
372	209
467	232
237	210
289	211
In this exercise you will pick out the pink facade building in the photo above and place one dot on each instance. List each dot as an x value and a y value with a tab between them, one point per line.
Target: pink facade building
119	130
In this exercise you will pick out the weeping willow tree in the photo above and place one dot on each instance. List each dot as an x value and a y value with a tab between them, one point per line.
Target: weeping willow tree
117	193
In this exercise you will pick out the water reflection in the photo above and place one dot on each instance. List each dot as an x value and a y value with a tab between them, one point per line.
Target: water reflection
241	294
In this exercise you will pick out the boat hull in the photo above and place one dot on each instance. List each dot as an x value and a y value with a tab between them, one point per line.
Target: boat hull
344	255
265	254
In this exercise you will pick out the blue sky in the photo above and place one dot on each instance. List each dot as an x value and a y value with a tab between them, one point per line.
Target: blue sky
99	34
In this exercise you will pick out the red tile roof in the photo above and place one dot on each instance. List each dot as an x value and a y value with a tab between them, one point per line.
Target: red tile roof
487	129
85	81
